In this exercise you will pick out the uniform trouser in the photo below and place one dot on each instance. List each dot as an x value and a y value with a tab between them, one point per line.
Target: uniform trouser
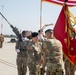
42	70
69	68
1	44
22	65
54	69
72	70
54	73
32	68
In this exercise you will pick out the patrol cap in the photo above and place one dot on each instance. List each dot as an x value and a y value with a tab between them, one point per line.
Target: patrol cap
49	30
34	34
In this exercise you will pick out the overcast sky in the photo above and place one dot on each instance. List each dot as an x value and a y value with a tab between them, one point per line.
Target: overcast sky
25	14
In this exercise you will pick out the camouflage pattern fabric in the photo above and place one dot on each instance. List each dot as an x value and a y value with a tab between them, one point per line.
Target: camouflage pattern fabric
52	48
34	55
1	41
22	57
69	67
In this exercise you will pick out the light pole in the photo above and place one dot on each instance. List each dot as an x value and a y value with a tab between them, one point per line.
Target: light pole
2	19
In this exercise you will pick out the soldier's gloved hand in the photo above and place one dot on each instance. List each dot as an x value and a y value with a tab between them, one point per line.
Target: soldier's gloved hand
17	50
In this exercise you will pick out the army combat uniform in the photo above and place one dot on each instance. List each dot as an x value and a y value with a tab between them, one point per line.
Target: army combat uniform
1	40
69	67
34	55
52	49
21	56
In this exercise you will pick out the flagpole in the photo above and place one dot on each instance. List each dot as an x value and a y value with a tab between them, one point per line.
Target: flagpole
40	14
66	21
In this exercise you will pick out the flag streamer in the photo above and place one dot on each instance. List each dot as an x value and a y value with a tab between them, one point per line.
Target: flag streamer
61	2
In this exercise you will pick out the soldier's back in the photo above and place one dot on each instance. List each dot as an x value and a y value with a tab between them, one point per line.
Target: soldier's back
54	47
54	55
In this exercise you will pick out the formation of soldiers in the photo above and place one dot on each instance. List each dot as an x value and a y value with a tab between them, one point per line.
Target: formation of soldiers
42	55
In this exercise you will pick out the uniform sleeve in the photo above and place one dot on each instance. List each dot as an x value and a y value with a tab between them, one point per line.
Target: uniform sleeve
17	45
44	49
29	47
60	49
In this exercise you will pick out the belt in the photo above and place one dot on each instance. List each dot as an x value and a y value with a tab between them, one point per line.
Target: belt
23	50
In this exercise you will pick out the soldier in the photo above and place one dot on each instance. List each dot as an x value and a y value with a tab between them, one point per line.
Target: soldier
41	39
22	54
1	40
52	49
69	67
34	54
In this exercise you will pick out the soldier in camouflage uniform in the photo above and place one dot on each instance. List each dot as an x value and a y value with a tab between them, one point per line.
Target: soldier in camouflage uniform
22	54
52	49
34	54
1	40
69	67
41	39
